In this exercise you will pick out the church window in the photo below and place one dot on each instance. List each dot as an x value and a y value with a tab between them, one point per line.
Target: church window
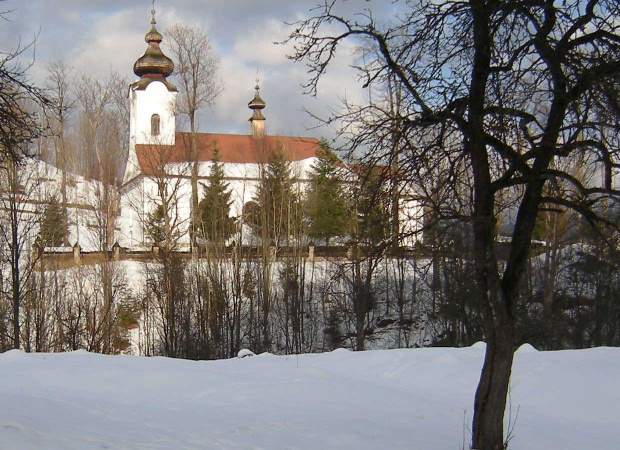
155	125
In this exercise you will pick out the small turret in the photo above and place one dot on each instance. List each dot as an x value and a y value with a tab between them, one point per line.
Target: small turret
257	121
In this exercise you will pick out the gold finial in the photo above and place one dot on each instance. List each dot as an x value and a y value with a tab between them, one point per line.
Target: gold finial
153	21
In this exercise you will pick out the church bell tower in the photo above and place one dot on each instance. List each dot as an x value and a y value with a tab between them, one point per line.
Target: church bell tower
151	100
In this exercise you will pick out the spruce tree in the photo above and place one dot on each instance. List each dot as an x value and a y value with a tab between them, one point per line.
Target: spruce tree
215	222
327	207
333	334
372	204
53	224
155	224
278	202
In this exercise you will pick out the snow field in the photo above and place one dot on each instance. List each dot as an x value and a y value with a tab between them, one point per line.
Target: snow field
384	399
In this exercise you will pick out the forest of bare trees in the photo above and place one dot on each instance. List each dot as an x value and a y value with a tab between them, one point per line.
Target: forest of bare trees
229	295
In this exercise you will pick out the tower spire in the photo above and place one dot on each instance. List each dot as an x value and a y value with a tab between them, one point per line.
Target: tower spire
257	104
257	120
154	65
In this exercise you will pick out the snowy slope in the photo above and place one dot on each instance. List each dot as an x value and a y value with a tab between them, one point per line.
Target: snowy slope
389	399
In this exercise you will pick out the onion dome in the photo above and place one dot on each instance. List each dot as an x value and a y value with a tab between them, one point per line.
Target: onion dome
154	64
257	104
153	35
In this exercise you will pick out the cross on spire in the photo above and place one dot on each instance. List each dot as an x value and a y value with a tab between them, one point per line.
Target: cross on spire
153	21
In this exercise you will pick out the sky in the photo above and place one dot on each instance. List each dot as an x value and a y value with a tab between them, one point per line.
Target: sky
96	36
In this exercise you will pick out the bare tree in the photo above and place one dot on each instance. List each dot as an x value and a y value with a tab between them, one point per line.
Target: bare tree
369	232
165	225
59	93
103	130
20	216
515	85
19	124
196	72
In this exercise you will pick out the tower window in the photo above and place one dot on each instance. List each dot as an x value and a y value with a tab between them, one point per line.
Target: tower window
155	125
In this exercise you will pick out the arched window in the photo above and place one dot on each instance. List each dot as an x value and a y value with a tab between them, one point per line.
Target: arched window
155	125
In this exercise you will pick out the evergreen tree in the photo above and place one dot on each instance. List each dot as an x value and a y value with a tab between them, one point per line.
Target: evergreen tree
327	207
155	226
53	224
278	202
215	223
333	334
372	203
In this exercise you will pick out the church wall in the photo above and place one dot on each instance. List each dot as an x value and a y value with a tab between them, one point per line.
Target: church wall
143	104
155	99
410	217
132	208
140	197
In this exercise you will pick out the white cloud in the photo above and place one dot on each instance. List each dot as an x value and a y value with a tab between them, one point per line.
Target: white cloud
258	45
96	35
114	42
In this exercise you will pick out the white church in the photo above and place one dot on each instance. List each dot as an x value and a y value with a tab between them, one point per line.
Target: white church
157	150
159	155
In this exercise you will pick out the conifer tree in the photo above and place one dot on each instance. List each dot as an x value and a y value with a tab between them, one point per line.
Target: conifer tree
155	226
328	210
215	222
372	204
279	204
53	224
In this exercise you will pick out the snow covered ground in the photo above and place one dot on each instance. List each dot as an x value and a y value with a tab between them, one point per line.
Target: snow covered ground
388	399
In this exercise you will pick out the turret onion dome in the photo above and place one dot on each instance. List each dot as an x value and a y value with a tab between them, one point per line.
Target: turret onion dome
153	65
257	104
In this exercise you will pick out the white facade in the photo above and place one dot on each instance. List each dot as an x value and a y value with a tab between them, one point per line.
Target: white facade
140	196
144	105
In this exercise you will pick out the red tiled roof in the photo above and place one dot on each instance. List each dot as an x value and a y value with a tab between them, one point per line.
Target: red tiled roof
233	148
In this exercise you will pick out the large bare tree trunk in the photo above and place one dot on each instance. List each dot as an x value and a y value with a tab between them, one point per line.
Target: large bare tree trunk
490	400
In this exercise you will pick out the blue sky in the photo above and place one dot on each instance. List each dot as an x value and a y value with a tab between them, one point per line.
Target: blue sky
94	36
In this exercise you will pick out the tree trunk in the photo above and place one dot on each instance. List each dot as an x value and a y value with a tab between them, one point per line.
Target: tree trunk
16	304
63	182
194	156
16	246
492	391
490	400
360	315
